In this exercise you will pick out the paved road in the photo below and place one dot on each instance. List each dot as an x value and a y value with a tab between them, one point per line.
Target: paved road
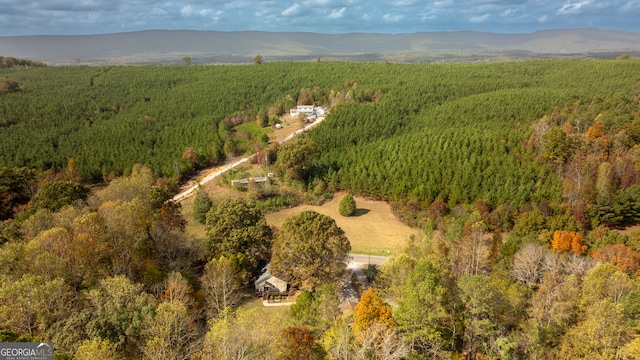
187	192
358	260
355	274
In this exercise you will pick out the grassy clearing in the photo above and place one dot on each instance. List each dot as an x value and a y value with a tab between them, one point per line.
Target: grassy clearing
373	230
217	192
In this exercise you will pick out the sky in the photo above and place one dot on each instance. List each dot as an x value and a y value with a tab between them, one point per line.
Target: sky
82	17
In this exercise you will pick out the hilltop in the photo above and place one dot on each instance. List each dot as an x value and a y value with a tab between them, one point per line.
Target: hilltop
170	46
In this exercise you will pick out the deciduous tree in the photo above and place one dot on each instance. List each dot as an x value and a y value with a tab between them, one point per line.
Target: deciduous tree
621	256
600	335
127	227
568	241
170	333
310	250
31	305
138	185
374	329
299	344
295	158
371	309
97	348
605	282
528	264
222	282
56	194
237	227
119	309
236	336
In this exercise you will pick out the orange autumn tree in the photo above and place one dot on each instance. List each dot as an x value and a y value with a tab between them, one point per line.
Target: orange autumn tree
299	344
620	255
371	310
595	131
374	330
570	241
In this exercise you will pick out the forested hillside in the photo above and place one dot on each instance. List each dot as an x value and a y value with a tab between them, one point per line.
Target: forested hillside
12	62
109	118
517	173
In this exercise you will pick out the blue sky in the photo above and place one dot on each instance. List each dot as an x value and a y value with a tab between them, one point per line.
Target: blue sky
71	17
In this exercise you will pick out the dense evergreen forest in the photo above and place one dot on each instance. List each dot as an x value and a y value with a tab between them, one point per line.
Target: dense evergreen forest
110	118
518	174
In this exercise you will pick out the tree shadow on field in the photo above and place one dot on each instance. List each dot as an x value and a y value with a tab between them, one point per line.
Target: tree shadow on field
360	212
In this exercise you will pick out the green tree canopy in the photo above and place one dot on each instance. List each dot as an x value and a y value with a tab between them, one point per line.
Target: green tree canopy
310	250
237	227
56	194
119	308
201	205
295	158
424	315
347	206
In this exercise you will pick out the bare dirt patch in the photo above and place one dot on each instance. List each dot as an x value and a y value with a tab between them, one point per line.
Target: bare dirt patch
629	229
374	230
289	126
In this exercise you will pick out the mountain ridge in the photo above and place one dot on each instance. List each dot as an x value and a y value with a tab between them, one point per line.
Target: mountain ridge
169	46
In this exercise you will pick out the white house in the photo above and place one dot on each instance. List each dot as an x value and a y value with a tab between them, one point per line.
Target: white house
267	284
307	110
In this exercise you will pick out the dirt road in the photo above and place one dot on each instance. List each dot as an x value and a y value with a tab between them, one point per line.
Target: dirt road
219	171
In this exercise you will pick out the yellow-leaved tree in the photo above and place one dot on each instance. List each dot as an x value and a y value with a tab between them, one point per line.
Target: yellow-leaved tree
374	329
570	241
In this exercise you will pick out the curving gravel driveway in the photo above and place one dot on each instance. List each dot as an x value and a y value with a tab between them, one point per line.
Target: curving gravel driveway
189	191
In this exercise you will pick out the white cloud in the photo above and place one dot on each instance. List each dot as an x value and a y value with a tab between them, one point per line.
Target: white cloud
210	13
392	17
186	10
291	10
508	12
104	16
404	2
337	13
428	16
443	3
158	11
479	18
572	7
630	6
317	3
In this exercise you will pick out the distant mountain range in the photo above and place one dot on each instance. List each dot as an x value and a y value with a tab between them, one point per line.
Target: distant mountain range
170	46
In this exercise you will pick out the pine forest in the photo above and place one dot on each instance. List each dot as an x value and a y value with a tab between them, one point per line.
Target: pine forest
522	179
